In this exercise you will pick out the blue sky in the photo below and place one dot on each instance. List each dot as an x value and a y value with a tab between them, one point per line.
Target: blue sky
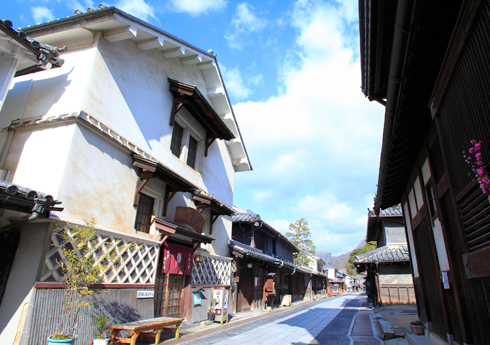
292	71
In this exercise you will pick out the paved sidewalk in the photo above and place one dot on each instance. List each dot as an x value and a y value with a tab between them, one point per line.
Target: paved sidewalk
362	330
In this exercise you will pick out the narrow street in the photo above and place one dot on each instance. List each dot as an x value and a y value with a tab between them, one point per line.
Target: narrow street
328	322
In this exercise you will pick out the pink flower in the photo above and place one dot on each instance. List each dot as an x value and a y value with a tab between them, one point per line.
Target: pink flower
477	146
478	156
485	180
479	163
472	150
480	171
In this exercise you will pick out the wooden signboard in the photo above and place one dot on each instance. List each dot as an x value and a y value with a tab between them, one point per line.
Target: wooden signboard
189	216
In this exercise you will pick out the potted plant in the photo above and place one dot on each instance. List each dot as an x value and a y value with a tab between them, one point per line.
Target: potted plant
211	309
82	265
417	327
101	323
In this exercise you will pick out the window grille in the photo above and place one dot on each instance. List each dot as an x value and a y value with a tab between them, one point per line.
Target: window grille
191	155
144	213
176	144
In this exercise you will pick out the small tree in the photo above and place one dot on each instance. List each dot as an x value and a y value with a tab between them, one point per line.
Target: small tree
83	264
299	234
351	269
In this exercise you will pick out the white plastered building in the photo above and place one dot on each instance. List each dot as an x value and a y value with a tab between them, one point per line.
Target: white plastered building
136	131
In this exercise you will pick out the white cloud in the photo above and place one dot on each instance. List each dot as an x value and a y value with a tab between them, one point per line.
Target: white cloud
197	7
137	8
281	225
236	85
42	14
315	145
244	23
284	162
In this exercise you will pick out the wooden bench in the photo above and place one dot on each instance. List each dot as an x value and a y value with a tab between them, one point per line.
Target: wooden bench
143	326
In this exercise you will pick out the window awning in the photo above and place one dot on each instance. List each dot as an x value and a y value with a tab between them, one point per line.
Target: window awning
161	172
189	97
174	231
203	200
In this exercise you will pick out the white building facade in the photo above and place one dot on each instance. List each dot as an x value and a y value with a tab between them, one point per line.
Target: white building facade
136	131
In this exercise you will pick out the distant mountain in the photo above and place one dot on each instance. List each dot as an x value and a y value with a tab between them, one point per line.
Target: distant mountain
339	261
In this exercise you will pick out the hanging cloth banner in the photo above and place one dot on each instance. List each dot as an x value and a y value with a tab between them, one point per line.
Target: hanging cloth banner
176	259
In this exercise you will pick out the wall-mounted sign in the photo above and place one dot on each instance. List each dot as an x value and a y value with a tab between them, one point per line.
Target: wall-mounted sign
189	216
145	294
196	298
445	280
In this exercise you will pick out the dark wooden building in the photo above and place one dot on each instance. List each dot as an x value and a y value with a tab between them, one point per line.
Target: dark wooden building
388	266
428	62
261	252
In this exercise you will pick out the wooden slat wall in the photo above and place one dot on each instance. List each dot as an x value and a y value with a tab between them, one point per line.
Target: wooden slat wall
465	115
397	294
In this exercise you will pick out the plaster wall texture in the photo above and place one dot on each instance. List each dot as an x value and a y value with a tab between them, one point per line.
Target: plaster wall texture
405	279
37	159
98	182
395	234
408	227
59	90
21	279
129	92
440	246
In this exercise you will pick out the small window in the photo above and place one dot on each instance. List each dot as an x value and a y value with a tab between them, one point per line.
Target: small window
176	144
192	154
144	213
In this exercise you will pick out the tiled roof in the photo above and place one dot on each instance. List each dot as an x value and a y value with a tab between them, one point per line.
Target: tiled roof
390	211
46	55
384	254
259	255
18	198
246	217
242	216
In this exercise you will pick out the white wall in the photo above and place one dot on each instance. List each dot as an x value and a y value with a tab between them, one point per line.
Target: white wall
136	103
126	89
21	279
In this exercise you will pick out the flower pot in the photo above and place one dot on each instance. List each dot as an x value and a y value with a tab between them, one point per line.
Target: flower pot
101	341
210	316
417	329
62	341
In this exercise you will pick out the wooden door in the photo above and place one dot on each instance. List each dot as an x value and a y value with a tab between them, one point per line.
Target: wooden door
9	241
245	290
169	292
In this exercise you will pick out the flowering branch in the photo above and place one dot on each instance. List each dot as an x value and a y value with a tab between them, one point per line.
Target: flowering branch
478	167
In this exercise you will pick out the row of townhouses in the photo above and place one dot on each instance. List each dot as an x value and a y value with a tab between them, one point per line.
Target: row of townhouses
428	63
106	117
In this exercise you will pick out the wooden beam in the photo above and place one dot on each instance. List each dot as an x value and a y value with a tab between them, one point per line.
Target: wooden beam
140	184
152	43
120	34
206	65
177	104
174	53
191	60
209	141
216	92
